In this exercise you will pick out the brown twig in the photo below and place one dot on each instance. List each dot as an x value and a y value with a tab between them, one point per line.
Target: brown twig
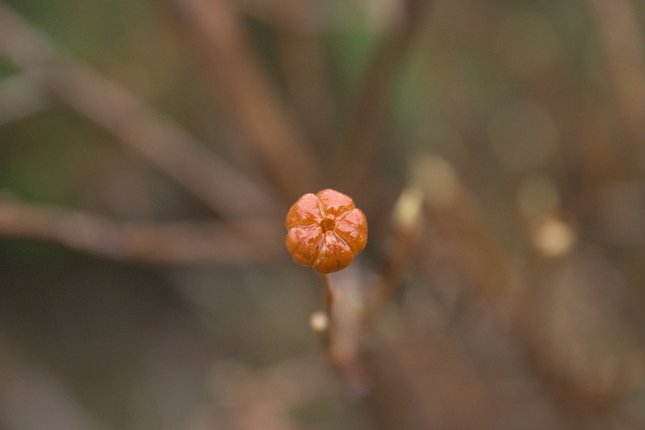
152	136
407	220
304	65
327	333
170	243
370	107
353	299
345	304
419	367
622	47
485	266
262	119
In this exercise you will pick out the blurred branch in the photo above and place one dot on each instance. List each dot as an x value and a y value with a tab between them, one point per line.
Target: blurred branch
19	99
138	126
345	300
171	243
407	220
269	128
354	297
420	367
623	50
459	227
301	50
409	369
368	115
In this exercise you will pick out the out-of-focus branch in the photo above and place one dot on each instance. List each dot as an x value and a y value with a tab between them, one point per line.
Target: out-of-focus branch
302	54
370	107
149	134
623	50
407	220
267	126
171	243
19	99
345	331
460	234
421	367
354	297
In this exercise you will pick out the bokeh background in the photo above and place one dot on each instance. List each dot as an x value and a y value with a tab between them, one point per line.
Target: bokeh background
149	150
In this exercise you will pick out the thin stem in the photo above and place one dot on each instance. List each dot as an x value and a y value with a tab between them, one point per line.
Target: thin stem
329	296
268	127
329	313
343	338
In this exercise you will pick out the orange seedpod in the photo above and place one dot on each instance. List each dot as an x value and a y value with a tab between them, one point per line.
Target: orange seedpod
325	230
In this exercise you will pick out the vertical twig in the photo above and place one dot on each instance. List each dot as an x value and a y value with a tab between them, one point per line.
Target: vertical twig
623	50
372	102
406	219
263	120
344	303
304	65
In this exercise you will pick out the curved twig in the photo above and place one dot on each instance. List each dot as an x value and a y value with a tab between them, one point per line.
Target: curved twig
268	128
